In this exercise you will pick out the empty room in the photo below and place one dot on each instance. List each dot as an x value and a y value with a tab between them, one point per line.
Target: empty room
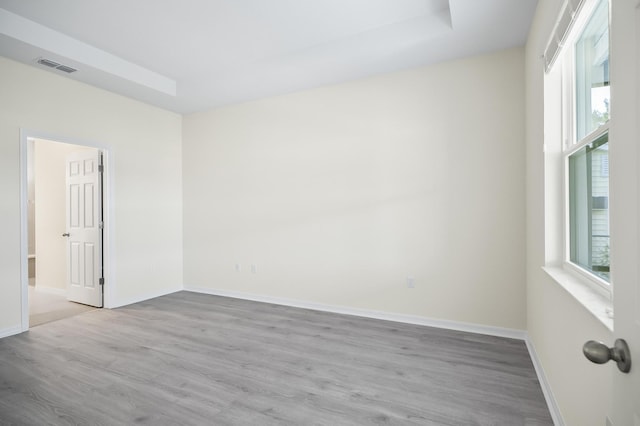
354	212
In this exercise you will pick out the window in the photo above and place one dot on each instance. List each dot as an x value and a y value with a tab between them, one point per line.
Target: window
587	154
592	73
583	93
589	208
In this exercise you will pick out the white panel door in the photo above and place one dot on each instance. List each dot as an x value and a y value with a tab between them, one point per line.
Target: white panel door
84	227
625	205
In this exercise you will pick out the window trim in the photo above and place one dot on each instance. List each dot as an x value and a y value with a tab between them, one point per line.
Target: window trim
591	280
569	145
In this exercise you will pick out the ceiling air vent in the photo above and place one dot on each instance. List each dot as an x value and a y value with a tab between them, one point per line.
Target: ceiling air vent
52	64
48	63
66	69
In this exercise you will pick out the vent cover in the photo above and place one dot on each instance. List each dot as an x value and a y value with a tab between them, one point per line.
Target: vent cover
66	69
52	64
48	63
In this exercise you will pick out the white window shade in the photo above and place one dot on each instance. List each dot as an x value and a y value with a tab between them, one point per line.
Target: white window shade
569	11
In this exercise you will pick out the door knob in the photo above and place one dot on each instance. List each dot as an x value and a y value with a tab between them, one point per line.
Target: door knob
599	353
66	234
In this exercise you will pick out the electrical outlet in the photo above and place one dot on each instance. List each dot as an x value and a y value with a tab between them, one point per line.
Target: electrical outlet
411	283
254	268
238	267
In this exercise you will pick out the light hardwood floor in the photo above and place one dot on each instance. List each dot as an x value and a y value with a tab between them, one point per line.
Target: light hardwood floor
193	359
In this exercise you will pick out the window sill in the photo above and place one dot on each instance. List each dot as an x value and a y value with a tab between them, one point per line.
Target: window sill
594	302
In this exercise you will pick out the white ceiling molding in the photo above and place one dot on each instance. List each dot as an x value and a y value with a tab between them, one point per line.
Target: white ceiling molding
220	52
39	36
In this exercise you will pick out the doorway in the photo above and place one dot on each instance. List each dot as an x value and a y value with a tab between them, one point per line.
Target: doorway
52	279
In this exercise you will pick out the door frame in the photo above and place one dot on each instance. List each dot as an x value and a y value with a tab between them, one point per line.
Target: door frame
108	246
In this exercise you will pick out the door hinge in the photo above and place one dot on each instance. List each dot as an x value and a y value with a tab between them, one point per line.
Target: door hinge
101	225
100	168
101	281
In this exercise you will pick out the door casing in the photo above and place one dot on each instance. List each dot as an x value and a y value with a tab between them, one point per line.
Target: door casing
108	215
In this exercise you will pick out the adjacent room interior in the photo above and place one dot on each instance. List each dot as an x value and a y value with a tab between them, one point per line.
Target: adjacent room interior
339	212
46	210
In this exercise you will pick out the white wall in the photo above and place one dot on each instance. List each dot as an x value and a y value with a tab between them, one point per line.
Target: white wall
338	194
557	324
50	217
144	145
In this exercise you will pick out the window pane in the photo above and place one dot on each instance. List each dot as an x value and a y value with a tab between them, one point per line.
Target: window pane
589	207
592	72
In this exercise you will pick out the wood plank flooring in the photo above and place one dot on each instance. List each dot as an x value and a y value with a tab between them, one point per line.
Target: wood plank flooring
193	359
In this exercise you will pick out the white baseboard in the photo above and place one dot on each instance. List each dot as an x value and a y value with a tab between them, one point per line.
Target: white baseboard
10	331
138	299
388	316
554	410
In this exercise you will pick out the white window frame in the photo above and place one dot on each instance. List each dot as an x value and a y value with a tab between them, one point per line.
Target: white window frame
566	60
593	279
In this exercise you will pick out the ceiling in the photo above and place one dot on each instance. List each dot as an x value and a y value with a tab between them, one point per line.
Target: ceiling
192	55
